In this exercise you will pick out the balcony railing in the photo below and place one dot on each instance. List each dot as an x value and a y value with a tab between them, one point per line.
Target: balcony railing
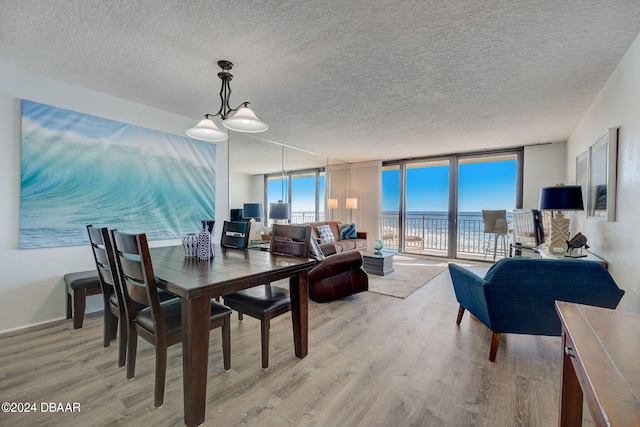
429	232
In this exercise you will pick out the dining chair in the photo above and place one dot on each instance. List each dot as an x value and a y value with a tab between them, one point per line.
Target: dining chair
264	302
235	234
114	312
159	323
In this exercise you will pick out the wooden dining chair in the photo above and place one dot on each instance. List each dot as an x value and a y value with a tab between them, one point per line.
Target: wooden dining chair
235	234
114	313
264	302
159	323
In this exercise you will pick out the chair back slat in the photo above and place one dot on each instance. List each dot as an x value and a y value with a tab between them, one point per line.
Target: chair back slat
136	272
235	234
292	240
105	259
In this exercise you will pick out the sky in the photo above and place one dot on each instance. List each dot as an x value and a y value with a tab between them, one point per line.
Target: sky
487	185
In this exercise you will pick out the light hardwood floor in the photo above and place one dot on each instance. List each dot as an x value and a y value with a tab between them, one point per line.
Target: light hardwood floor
373	360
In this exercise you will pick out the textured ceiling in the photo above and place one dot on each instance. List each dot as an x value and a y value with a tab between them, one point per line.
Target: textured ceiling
352	80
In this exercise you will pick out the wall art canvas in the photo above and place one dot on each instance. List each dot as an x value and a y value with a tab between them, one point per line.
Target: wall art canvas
78	169
602	176
582	178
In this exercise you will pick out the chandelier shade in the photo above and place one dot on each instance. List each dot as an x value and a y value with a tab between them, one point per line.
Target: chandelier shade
206	130
245	120
239	119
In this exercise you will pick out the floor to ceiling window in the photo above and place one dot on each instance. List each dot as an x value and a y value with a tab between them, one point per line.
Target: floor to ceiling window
434	206
304	190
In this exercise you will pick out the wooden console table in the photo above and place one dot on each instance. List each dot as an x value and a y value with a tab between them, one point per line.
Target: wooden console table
601	349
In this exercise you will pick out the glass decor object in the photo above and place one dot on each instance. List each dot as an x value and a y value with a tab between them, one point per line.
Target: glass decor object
377	246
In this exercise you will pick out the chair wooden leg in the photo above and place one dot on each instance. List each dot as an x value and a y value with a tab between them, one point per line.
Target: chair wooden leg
132	344
226	342
122	346
110	327
460	313
495	340
79	305
68	304
161	371
240	317
265	342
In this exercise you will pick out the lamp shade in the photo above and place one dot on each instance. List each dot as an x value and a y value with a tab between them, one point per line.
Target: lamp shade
279	210
332	203
244	120
561	198
352	203
252	210
206	130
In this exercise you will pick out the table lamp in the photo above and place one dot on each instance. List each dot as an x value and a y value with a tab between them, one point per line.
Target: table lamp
560	198
253	211
279	211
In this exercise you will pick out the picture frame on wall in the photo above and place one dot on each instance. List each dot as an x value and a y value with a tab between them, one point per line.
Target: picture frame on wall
582	179
601	197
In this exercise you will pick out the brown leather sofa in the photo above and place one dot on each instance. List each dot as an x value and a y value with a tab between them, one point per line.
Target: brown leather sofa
359	244
339	273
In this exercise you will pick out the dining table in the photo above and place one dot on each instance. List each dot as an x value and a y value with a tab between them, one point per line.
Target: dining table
230	270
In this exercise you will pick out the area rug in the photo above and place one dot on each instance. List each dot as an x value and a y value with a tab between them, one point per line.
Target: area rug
410	274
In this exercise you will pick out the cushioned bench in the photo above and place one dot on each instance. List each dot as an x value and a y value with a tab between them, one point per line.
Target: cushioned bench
79	286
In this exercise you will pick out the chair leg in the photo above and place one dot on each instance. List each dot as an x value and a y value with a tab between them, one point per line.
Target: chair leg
79	305
122	346
495	340
110	326
68	304
161	371
460	313
226	342
132	344
240	317
265	341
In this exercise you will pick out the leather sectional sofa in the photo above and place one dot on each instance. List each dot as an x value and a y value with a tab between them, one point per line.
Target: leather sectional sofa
339	273
359	244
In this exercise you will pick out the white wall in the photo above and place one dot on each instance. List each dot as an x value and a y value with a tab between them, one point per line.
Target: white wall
617	105
544	166
31	286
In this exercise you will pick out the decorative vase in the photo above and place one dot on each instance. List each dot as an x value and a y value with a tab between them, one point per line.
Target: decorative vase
190	244
205	242
377	246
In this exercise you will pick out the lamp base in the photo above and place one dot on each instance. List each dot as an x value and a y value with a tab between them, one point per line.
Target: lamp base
559	233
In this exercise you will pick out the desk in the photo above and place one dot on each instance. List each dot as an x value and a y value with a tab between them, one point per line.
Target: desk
600	361
231	270
544	253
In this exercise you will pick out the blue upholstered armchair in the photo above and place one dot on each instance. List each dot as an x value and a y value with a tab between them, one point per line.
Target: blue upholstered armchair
517	295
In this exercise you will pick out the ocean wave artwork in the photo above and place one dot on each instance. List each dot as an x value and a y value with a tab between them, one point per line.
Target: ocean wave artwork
78	169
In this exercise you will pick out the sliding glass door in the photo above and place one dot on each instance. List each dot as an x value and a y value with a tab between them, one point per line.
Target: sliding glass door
434	206
304	190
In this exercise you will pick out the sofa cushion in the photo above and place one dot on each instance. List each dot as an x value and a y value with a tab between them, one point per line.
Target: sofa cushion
348	231
315	251
325	233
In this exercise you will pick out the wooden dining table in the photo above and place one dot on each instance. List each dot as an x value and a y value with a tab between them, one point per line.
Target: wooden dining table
230	270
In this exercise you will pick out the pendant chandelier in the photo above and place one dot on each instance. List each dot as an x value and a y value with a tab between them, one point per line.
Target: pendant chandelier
240	119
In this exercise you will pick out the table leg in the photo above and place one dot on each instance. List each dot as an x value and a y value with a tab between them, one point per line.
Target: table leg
300	312
570	391
195	355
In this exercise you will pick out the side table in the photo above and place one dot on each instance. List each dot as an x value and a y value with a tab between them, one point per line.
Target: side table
379	264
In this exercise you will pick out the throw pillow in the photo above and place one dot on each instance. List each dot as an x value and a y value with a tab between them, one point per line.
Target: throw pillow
314	249
348	231
324	231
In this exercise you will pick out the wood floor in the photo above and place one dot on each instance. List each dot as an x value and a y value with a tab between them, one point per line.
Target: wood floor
373	360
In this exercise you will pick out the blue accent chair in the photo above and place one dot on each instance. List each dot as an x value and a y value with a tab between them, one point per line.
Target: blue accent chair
517	295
